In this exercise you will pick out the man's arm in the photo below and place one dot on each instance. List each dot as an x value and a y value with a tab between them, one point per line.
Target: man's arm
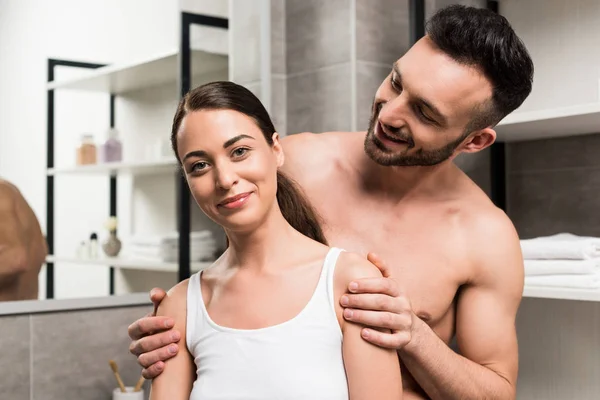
485	329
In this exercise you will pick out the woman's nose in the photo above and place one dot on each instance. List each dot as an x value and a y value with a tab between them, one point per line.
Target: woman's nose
226	178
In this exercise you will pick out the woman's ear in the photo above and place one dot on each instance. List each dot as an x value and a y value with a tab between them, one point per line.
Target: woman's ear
278	150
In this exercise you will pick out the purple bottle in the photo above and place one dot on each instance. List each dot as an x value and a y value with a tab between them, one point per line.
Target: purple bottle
112	149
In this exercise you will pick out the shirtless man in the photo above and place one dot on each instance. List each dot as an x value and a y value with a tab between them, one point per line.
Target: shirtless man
455	266
22	246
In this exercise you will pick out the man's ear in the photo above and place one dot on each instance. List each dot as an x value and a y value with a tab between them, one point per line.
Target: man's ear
479	141
278	150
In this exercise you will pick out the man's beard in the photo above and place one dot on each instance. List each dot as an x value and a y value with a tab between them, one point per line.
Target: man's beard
378	152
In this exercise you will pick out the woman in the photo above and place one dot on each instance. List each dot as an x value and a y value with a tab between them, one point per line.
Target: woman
264	321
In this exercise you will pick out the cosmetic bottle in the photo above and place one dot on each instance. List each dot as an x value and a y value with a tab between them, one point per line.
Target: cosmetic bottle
86	151
94	245
82	250
112	149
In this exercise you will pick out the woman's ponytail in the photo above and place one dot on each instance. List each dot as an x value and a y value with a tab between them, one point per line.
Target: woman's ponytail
297	210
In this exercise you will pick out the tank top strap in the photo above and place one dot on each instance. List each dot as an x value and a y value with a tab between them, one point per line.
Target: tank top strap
328	274
194	297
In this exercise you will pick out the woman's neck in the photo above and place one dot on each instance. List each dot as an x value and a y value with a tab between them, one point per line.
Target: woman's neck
259	248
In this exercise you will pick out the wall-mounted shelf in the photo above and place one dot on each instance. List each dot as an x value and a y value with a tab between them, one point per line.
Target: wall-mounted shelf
562	293
128	263
149	72
115	168
543	124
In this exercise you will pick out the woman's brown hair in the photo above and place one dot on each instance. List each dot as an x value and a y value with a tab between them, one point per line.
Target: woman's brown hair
224	95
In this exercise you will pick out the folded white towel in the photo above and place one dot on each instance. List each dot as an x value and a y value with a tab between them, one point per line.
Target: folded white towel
196	253
590	281
562	246
557	267
171	238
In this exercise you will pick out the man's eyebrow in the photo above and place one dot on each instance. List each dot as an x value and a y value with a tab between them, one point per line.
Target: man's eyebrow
432	108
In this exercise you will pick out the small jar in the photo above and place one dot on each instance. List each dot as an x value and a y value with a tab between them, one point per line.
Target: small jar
86	151
112	149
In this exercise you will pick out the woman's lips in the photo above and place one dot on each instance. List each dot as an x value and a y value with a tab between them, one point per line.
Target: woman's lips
235	201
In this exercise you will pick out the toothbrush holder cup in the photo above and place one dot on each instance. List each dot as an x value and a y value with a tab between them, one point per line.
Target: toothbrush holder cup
128	395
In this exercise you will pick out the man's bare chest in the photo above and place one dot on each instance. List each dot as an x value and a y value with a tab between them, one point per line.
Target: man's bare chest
421	248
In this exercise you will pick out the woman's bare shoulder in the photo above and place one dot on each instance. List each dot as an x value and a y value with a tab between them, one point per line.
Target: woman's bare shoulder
351	266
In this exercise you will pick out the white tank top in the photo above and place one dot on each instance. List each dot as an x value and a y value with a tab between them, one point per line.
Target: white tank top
297	359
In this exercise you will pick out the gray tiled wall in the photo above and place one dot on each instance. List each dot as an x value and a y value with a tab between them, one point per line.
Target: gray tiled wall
554	186
319	101
245	64
382	31
318	55
65	355
368	79
318	34
15	379
382	37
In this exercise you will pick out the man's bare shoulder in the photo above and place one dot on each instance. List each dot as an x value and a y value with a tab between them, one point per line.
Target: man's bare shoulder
494	246
319	142
315	156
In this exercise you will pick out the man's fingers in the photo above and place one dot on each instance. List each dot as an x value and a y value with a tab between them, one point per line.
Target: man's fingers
156	296
147	325
154	342
375	285
379	263
378	319
371	301
153	371
387	340
146	360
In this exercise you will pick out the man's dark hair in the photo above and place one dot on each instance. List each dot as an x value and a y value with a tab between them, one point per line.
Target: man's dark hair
484	39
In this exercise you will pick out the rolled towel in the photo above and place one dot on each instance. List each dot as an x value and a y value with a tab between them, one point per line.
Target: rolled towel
562	246
564	267
590	281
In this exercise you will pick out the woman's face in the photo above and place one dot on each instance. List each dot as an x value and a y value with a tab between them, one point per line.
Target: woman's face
230	168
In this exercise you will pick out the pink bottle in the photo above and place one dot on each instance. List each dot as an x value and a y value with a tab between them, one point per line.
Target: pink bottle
112	149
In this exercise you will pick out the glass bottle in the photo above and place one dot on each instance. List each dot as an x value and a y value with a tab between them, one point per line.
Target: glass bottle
86	151
112	149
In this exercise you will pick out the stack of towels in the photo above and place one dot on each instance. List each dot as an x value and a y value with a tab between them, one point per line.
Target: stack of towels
165	248
562	260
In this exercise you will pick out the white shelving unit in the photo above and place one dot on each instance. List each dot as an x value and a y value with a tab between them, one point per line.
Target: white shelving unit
128	263
561	293
114	168
566	121
141	74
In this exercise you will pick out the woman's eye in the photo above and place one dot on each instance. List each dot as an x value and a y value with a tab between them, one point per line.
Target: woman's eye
239	152
199	166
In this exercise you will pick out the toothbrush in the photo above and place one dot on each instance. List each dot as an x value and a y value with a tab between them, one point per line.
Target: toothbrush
139	384
113	366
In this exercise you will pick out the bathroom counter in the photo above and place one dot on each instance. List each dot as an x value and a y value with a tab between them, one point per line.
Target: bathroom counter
54	305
